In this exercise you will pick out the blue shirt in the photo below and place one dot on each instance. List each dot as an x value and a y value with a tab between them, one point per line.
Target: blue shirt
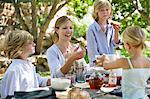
98	42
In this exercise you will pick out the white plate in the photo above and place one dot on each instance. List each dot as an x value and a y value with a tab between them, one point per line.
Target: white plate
81	85
108	89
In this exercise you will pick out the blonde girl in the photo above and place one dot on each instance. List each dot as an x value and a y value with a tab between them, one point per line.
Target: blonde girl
136	69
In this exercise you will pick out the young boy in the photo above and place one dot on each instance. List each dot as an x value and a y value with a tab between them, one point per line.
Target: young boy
21	74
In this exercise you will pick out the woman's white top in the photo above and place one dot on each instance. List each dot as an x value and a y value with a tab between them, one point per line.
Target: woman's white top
20	76
56	59
134	82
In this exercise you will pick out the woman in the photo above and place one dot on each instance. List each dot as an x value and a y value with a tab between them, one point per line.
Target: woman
61	55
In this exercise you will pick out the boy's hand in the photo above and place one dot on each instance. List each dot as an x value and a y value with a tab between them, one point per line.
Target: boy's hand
117	28
48	82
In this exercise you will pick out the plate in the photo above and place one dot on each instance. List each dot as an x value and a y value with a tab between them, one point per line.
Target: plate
81	85
107	89
37	89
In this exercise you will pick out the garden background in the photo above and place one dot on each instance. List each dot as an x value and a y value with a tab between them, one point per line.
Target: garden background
38	17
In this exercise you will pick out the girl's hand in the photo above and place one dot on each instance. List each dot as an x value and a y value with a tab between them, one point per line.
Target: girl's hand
101	60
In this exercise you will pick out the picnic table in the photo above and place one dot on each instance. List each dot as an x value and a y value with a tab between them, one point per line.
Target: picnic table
94	93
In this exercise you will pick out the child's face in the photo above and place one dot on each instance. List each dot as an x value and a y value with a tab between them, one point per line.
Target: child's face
30	48
65	31
104	13
127	47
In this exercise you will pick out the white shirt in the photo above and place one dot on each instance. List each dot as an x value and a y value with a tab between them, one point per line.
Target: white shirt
134	82
20	76
55	60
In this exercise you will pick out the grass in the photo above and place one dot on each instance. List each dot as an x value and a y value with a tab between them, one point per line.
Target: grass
44	74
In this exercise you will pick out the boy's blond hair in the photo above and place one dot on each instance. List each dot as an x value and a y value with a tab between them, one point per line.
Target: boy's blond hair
15	41
100	4
134	35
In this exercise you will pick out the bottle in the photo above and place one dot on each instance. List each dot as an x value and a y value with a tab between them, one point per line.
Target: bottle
112	79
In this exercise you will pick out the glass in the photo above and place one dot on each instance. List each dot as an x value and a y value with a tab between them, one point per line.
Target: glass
112	57
72	77
80	77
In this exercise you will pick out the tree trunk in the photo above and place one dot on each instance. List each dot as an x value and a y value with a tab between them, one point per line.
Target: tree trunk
55	8
22	22
34	21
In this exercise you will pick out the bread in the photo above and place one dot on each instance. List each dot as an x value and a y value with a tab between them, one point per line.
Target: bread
77	93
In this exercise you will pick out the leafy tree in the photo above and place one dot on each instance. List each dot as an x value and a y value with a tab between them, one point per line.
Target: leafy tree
35	16
128	12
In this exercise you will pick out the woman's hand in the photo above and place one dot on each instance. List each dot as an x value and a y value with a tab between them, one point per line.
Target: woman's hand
77	55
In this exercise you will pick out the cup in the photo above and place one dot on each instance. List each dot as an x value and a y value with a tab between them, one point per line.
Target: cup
72	77
98	56
80	75
112	57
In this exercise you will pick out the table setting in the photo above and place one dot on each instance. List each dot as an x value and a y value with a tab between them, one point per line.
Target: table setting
96	84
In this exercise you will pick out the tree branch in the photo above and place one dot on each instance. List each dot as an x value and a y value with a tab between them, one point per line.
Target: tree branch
62	5
141	11
44	27
18	13
34	20
128	15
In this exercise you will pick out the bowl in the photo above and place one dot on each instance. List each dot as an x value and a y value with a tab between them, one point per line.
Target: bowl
60	83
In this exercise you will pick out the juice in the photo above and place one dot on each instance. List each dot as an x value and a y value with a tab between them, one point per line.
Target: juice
96	83
119	78
112	79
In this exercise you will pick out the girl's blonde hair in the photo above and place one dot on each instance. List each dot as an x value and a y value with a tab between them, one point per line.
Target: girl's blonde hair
134	35
15	41
100	4
60	21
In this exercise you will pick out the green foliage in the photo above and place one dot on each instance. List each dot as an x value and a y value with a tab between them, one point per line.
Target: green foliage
86	58
123	11
80	7
80	30
44	74
18	1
